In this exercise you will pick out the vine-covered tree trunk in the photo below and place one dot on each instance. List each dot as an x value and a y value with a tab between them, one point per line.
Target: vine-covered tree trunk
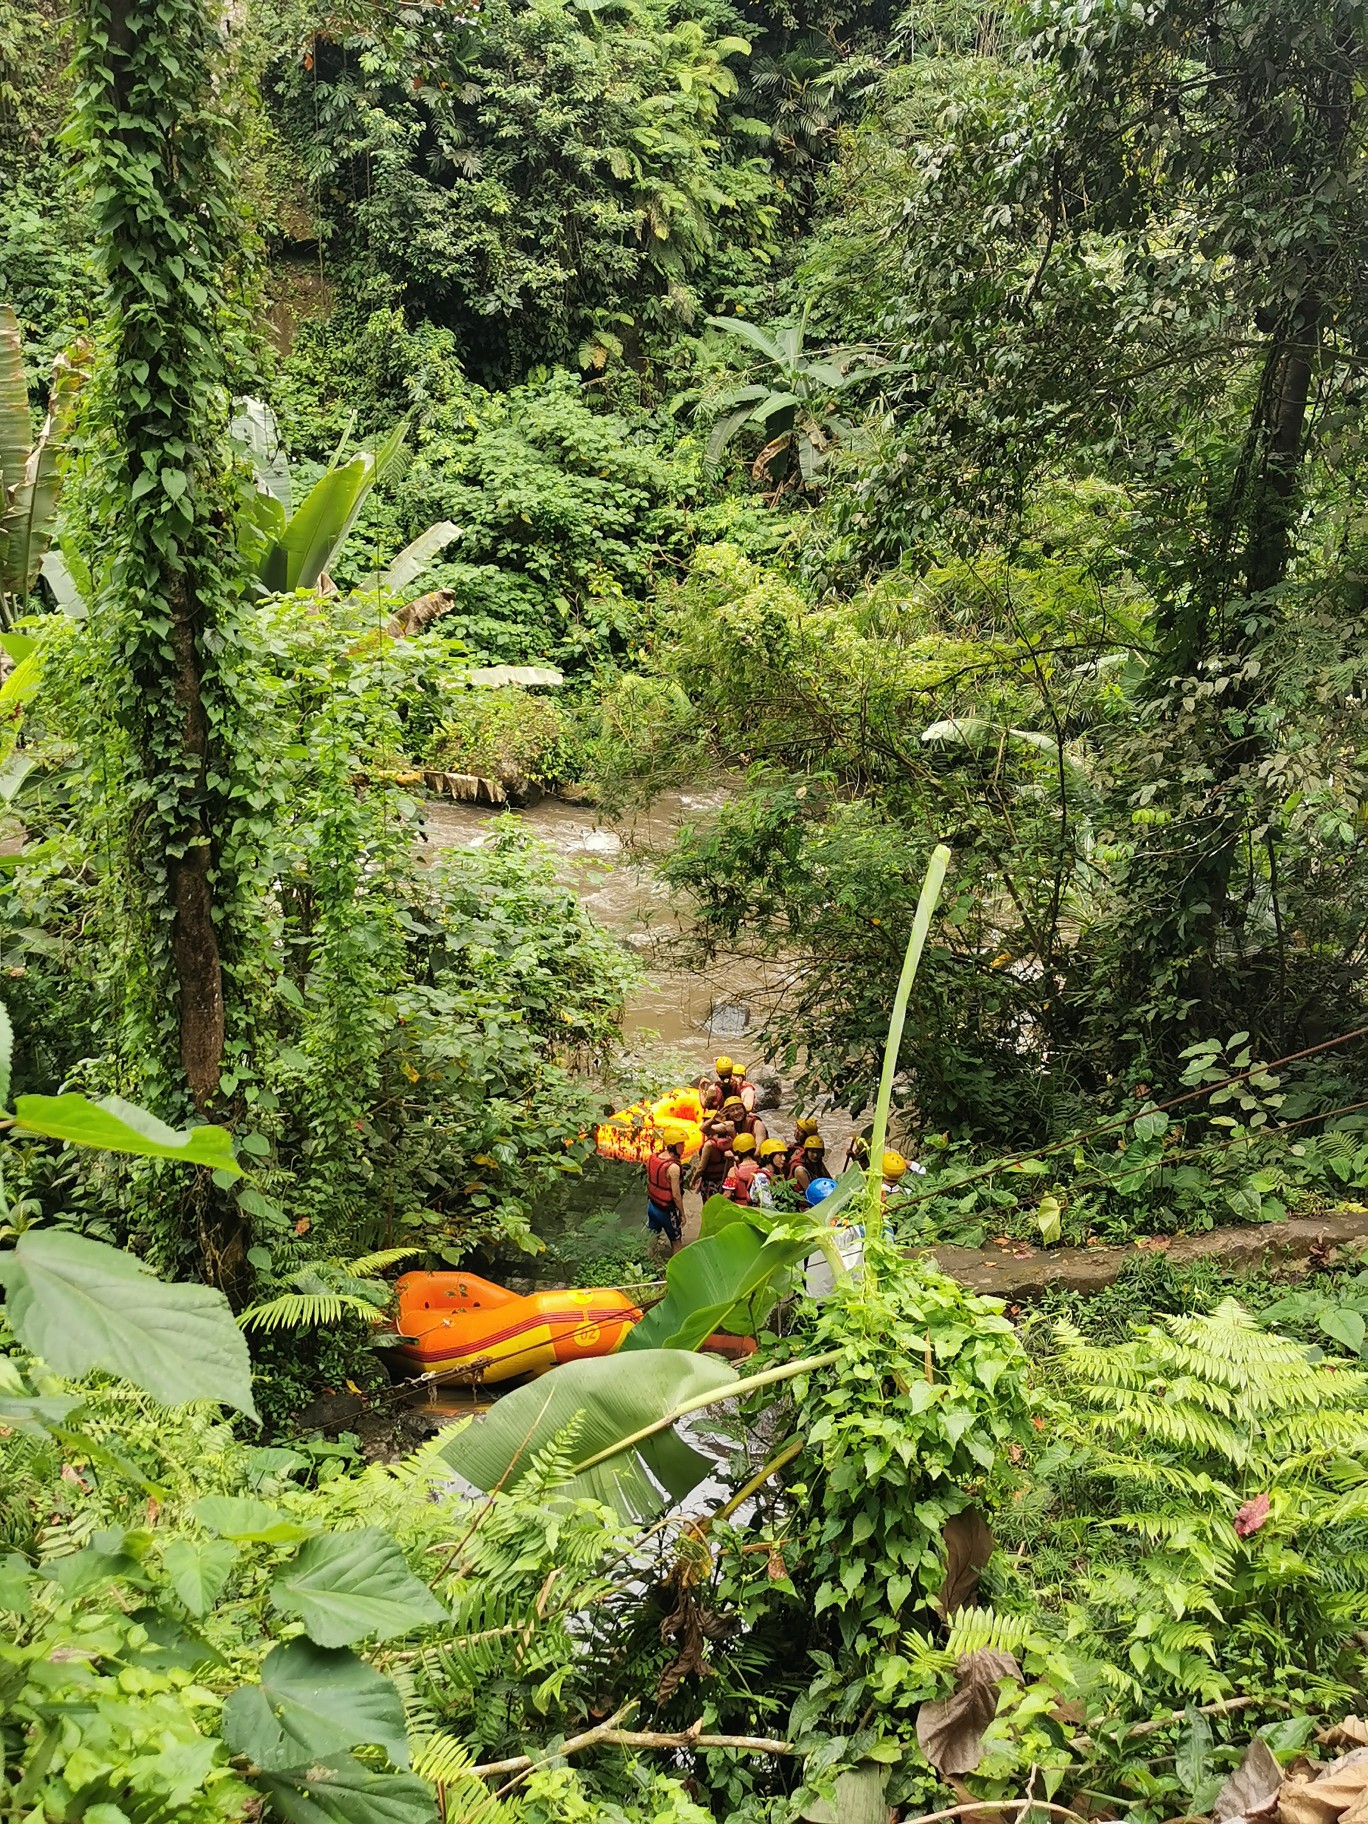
165	607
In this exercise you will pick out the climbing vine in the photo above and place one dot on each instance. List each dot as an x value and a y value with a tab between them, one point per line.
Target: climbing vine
169	585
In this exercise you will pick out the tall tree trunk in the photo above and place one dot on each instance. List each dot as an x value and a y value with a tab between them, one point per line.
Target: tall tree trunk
148	123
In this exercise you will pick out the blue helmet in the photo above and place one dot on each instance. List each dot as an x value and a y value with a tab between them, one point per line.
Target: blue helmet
818	1189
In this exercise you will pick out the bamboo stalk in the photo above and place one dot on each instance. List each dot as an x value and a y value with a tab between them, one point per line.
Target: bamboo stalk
921	924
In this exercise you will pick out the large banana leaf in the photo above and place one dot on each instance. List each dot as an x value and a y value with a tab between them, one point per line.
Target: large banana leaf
15	426
315	531
752	333
415	558
255	432
609	1401
725	1280
29	518
68	576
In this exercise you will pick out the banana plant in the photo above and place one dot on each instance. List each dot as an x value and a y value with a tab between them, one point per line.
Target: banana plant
794	408
30	469
294	547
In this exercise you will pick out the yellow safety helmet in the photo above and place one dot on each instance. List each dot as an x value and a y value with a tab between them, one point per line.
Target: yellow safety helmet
814	1144
744	1143
733	1102
672	1134
805	1125
894	1165
771	1147
723	1066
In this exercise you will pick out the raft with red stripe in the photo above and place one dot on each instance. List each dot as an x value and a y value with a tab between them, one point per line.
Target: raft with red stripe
459	1326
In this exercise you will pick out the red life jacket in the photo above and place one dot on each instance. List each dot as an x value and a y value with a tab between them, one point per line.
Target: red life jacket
737	1184
713	1166
658	1186
795	1153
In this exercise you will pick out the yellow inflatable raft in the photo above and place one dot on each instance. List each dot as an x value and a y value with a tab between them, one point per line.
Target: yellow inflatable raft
460	1324
635	1133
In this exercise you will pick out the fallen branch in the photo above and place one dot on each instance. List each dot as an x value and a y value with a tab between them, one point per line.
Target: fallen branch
961	1811
608	1735
1222	1707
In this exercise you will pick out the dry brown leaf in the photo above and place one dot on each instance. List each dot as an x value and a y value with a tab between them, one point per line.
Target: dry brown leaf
950	1731
968	1547
1252	1785
1351	1733
1340	1792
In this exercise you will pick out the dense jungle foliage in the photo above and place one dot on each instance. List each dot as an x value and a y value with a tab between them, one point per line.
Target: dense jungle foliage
930	428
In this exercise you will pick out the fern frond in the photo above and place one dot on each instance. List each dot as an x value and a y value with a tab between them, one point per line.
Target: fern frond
305	1311
972	1630
366	1266
445	1761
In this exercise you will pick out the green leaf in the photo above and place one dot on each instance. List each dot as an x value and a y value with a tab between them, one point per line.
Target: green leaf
708	1280
1049	1212
1345	1325
315	531
6	1054
239	1517
81	1305
35	1412
609	1401
198	1572
345	1587
1192	1760
15	1588
116	1126
16	428
28	520
415	558
342	1791
312	1702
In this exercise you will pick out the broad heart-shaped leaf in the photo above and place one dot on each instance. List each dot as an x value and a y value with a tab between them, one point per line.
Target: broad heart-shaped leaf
609	1401
719	1274
199	1571
345	1587
313	1702
115	1126
240	1517
342	1791
81	1305
1345	1325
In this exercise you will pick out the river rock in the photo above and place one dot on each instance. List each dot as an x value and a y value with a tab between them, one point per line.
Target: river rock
769	1086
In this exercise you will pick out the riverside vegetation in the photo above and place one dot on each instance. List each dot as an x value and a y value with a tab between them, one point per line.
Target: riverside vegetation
944	425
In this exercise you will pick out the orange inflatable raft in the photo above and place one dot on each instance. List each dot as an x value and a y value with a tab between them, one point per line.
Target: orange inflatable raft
635	1133
459	1324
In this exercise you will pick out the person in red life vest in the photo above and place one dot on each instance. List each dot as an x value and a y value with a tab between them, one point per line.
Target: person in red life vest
771	1173
811	1165
731	1081
665	1190
802	1127
738	1181
744	1120
714	1158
